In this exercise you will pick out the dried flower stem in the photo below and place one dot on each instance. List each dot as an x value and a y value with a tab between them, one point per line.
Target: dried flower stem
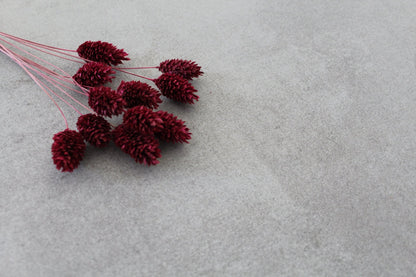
35	43
36	80
141	67
42	48
26	64
54	74
78	59
51	81
140	76
36	57
66	77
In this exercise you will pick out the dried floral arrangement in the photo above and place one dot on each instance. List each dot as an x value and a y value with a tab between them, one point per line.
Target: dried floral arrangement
142	125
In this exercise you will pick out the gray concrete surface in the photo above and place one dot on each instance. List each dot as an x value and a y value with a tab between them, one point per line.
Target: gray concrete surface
302	161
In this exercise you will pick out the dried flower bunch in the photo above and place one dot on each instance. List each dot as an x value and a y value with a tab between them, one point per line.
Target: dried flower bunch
142	127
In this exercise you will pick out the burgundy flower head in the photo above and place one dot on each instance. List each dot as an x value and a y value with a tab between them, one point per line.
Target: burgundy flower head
102	52
145	120
183	68
174	129
136	93
144	148
68	150
176	88
93	74
105	101
94	129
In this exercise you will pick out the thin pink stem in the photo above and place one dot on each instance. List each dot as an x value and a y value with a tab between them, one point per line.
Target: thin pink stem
44	69
35	43
67	76
74	90
78	59
141	67
60	97
140	76
52	81
54	74
47	70
35	56
41	67
71	81
40	47
36	80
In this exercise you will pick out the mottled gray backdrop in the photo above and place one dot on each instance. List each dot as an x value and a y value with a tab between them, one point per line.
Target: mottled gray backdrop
302	161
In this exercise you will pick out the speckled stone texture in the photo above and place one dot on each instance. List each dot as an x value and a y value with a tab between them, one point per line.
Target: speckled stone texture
302	160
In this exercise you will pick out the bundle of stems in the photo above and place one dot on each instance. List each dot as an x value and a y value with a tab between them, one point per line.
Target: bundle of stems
142	127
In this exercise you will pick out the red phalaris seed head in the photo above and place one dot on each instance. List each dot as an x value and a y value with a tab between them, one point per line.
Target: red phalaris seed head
183	68
100	51
136	93
143	148
94	129
68	150
176	88
145	120
105	101
174	129
93	74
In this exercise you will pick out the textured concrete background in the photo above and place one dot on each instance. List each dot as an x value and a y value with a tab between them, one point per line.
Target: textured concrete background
302	161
